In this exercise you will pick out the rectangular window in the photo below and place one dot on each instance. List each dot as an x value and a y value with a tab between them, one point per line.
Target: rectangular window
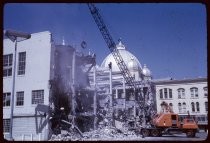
170	93
21	63
7	65
165	93
206	106
6	99
161	94
20	98
6	125
37	96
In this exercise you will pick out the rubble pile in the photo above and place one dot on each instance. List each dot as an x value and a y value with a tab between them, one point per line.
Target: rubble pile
106	133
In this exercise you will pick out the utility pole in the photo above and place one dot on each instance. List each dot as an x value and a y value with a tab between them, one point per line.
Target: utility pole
73	84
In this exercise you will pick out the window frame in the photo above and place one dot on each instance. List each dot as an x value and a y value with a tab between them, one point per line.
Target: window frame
5	96
166	93
206	106
20	100
6	125
193	106
184	107
181	93
7	65
35	99
180	107
21	63
205	89
194	92
161	93
197	106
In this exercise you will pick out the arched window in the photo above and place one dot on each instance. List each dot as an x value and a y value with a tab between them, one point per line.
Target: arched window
193	106
184	107
197	107
181	93
205	89
180	107
171	106
194	92
206	106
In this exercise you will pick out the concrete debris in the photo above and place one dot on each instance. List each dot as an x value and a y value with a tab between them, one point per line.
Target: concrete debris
106	133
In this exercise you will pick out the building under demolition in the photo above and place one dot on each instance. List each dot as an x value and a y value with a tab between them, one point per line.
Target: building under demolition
57	83
117	98
57	76
47	74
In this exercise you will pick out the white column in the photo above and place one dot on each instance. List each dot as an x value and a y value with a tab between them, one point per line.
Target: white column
31	137
94	98
23	137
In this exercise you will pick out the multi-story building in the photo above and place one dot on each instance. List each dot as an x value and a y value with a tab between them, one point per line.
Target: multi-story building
39	63
31	83
185	97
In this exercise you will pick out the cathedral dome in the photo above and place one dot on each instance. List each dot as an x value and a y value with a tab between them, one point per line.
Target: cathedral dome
130	60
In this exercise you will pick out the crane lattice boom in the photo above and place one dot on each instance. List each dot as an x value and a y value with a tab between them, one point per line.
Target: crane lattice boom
112	46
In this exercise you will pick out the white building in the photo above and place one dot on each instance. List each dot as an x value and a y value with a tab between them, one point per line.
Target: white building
184	96
31	84
44	75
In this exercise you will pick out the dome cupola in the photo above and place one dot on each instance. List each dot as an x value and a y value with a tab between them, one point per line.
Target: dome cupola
146	72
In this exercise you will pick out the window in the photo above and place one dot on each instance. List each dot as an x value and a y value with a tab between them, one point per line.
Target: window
37	96
206	106
20	98
21	63
194	92
170	93
197	107
7	65
184	107
161	93
6	99
165	93
193	106
180	107
171	106
205	91
181	93
6	125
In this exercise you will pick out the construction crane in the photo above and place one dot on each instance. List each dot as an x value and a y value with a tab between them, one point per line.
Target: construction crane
112	46
137	86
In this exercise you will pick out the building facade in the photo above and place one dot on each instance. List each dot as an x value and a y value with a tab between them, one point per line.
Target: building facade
185	97
31	84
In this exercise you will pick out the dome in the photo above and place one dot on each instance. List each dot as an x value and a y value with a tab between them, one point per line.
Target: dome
130	60
146	71
132	64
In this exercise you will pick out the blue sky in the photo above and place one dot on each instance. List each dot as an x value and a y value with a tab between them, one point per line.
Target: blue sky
170	38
